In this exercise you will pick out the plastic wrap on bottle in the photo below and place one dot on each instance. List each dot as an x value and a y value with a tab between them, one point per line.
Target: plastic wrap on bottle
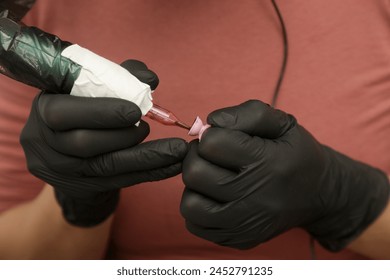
33	57
43	60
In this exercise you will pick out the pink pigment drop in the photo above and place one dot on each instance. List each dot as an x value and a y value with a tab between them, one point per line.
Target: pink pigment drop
198	128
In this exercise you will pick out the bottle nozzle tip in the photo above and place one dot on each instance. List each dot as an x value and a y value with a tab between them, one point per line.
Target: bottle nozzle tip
183	125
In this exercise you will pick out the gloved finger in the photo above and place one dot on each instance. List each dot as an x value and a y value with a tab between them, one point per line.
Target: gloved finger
254	118
222	237
141	72
229	224
77	186
210	180
230	149
63	112
147	156
88	143
130	179
212	234
206	212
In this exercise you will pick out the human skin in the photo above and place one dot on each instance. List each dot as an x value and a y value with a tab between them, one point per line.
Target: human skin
37	230
374	242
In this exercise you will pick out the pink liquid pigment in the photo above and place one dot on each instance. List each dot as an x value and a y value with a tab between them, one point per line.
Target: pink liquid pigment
166	117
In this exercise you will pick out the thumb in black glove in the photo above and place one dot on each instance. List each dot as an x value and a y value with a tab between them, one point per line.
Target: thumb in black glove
257	173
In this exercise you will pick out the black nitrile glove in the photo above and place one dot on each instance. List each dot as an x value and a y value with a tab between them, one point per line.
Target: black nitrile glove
257	173
89	148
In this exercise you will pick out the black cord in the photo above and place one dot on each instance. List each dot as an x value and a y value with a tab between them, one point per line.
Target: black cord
285	55
275	96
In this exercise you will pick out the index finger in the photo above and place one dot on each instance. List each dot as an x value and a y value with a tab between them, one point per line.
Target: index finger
64	112
254	118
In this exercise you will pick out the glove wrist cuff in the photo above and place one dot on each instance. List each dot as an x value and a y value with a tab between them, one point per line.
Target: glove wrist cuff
362	196
88	212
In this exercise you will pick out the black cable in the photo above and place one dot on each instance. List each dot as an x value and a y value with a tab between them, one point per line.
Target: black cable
277	91
285	55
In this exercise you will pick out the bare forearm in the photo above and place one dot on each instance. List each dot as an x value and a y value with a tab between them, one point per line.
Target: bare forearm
37	230
375	241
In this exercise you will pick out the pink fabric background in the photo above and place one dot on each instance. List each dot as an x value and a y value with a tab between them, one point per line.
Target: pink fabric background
212	54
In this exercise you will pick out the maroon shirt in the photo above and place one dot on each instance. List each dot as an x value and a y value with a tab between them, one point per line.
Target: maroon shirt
212	54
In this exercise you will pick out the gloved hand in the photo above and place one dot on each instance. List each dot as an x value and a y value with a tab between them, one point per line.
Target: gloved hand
257	173
89	148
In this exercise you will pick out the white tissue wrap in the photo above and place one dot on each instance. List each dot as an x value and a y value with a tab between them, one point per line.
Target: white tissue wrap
100	77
